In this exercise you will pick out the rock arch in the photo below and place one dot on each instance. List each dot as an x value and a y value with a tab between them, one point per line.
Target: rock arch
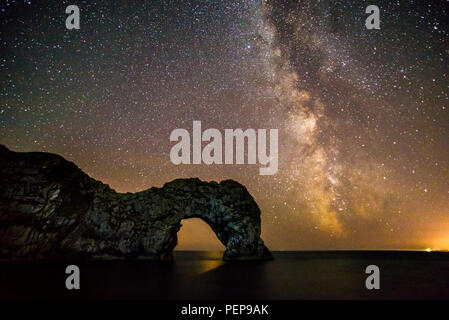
50	208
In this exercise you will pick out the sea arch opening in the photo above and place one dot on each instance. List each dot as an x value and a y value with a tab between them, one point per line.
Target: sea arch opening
196	234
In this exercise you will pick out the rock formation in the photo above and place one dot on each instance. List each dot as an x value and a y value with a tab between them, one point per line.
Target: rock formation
49	208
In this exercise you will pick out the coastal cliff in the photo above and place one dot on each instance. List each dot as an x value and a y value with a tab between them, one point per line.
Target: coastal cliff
49	208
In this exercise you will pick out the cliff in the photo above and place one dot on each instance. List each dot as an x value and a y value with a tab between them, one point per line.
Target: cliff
49	208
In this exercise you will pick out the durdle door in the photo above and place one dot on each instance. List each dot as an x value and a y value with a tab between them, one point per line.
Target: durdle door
50	209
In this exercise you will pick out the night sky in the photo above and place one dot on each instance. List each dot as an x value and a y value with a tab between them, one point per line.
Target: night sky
363	115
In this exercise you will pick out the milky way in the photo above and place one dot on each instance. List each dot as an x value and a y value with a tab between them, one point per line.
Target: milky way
362	114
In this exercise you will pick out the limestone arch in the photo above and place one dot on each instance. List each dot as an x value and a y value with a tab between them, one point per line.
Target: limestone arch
229	210
65	213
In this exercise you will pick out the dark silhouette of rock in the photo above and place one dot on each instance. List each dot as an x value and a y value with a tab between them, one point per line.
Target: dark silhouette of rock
49	208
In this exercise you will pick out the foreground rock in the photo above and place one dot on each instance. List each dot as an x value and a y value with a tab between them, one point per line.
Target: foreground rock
49	208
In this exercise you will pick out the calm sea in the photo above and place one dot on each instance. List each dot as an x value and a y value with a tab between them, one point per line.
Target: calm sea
203	275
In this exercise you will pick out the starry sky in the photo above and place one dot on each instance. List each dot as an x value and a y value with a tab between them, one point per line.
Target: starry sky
363	115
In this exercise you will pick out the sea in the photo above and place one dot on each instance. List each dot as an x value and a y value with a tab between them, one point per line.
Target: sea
202	275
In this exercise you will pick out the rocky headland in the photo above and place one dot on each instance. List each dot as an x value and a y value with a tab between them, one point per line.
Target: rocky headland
49	208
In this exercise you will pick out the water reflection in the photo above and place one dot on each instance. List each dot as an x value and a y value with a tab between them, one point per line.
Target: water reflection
202	261
203	275
208	265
